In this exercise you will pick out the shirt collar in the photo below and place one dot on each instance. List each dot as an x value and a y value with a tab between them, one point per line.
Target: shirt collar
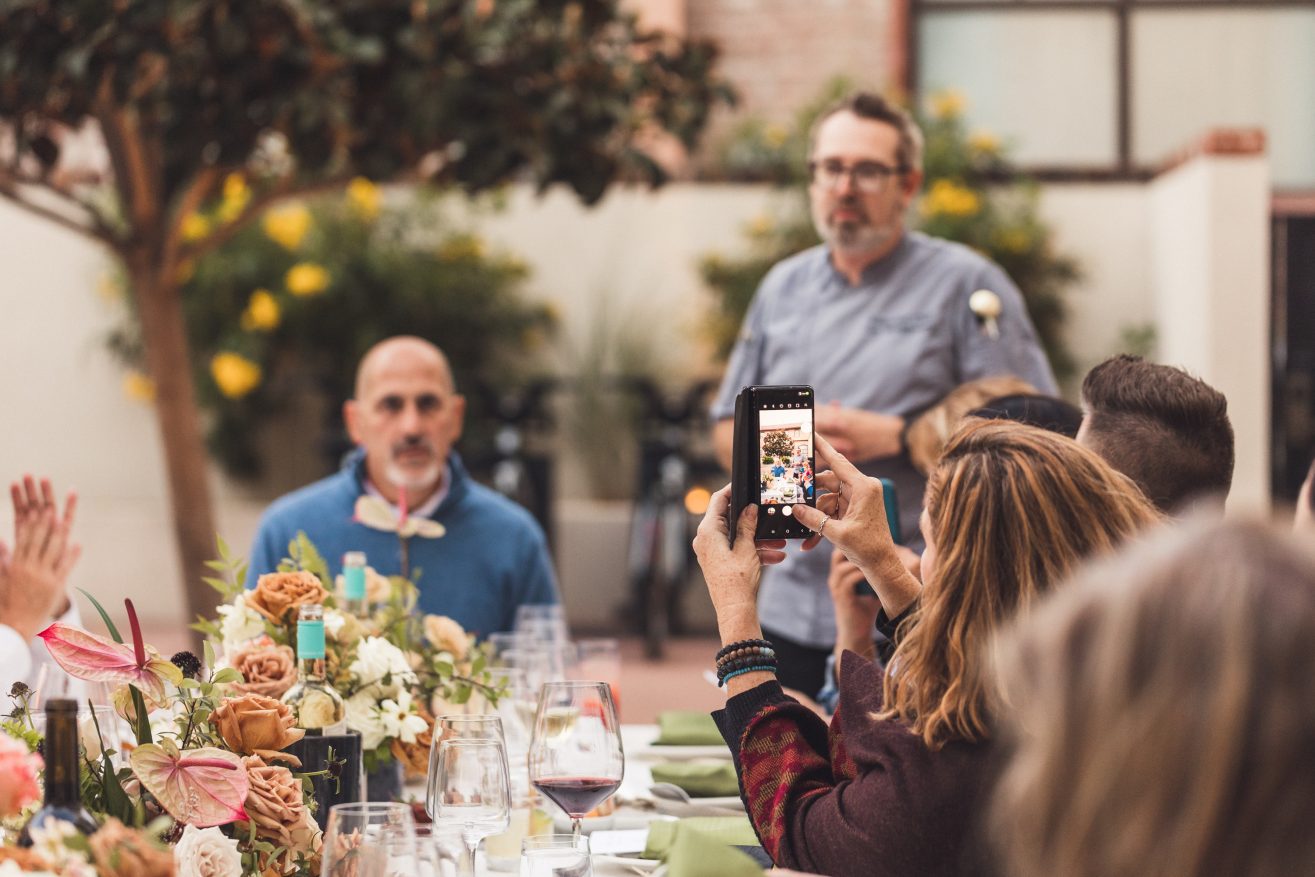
430	505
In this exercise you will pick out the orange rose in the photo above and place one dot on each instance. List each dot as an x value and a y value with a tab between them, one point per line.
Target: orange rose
267	669
275	806
252	724
120	851
278	594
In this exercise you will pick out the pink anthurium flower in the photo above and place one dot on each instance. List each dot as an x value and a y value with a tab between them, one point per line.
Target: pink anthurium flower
201	787
87	656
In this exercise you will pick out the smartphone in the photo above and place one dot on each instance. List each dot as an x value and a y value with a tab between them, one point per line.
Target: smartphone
891	501
772	458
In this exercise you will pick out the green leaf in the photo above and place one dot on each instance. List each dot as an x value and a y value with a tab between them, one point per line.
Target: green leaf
104	616
226	676
143	720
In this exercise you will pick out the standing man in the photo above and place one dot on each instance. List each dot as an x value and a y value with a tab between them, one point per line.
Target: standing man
877	320
405	418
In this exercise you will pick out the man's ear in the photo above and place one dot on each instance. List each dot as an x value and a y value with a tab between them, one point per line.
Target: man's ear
912	185
459	415
350	413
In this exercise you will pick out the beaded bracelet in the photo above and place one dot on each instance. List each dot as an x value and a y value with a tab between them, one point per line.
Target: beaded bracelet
744	643
766	652
724	670
730	676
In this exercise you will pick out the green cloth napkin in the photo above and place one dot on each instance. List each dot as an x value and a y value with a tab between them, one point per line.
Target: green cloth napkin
699	854
664	835
700	780
687	728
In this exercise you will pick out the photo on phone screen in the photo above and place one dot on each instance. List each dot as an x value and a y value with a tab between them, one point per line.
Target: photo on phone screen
784	463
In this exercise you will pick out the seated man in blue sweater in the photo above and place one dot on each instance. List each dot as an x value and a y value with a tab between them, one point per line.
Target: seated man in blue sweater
404	419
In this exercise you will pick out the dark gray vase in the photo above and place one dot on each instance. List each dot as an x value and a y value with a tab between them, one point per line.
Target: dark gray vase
384	784
344	786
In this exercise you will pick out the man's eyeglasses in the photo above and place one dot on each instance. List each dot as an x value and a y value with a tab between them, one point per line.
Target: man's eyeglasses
870	177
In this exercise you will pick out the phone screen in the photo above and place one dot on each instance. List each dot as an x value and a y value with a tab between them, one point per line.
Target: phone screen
784	463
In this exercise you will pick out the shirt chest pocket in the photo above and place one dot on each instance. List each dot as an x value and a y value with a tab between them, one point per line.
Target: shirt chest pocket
903	324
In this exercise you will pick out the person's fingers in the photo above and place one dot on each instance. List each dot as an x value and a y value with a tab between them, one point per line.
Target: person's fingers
810	543
714	519
828	503
70	509
46	538
4	557
747	524
772	543
47	493
53	550
838	559
16	497
810	517
30	497
67	562
770	556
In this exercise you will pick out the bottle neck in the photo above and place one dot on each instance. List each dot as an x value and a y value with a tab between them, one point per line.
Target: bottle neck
63	786
312	670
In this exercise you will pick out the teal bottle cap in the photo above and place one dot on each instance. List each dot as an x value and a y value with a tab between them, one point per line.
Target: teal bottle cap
310	640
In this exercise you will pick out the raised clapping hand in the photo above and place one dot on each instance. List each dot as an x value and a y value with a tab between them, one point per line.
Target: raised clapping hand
32	576
852	516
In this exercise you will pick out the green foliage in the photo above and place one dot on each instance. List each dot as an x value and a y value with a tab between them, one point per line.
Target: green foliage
777	444
971	194
403	271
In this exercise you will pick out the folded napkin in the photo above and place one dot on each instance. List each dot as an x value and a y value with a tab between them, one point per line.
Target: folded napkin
687	728
700	780
663	835
695	854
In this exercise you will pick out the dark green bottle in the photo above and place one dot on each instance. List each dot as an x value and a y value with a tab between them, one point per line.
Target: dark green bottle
63	799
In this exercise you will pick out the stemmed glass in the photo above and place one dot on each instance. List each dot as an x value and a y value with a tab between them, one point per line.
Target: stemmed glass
471	791
473	727
575	751
372	839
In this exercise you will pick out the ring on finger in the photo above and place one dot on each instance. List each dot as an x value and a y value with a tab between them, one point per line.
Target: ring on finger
822	526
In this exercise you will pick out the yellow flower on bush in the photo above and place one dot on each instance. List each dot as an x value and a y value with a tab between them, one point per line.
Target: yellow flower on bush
364	197
195	227
234	374
236	196
984	142
139	387
1015	240
287	225
948	104
306	279
462	247
948	198
761	225
262	312
776	135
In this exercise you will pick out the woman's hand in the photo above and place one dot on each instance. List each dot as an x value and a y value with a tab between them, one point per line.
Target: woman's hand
732	574
856	613
853	517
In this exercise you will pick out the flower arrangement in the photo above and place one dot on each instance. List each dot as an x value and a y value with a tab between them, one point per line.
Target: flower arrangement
208	786
394	669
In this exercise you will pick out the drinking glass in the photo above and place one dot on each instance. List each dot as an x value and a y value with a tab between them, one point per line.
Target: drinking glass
371	839
479	727
97	725
471	792
600	659
546	621
556	855
576	758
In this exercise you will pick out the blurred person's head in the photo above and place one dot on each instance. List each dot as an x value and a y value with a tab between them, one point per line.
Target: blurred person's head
1304	520
928	432
1044	412
406	415
1160	713
1010	510
865	166
1163	428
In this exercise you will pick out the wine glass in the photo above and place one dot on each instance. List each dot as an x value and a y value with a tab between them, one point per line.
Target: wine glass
475	727
575	751
368	839
471	791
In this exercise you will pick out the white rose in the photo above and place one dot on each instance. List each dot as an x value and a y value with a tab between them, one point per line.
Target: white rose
381	667
238	624
399	719
333	622
363	717
206	852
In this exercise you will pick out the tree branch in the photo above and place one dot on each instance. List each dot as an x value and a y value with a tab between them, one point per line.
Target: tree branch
193	197
58	218
257	206
99	223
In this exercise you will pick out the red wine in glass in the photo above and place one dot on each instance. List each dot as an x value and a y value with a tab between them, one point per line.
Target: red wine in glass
577	795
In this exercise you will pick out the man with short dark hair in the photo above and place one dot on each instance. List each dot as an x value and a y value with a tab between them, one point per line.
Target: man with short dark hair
877	319
1163	428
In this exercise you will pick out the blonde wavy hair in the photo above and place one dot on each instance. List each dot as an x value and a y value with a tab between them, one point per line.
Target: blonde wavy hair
1012	509
928	433
1161	713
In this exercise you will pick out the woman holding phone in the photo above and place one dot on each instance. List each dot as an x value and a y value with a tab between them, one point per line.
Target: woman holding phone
896	783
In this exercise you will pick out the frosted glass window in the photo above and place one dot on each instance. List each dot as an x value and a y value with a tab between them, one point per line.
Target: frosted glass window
1042	79
1198	69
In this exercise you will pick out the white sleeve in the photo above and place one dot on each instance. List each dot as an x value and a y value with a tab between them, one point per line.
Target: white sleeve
15	660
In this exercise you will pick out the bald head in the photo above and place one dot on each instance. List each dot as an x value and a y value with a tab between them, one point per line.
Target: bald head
406	415
401	352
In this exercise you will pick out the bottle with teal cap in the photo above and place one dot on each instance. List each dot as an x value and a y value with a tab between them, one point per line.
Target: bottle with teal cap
354	601
317	706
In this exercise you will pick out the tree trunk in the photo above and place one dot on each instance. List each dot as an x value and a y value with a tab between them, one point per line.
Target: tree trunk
164	333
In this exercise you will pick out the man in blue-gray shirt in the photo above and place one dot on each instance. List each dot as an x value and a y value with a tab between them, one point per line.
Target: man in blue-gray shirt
877	320
491	556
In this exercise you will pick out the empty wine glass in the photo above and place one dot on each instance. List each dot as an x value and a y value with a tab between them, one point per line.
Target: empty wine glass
371	839
471	791
477	727
576	758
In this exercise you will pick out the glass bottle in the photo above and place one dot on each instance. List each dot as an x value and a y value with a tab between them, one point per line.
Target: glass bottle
318	708
353	584
63	797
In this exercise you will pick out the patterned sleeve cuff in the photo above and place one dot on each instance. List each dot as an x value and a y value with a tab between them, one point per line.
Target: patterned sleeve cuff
886	626
740	710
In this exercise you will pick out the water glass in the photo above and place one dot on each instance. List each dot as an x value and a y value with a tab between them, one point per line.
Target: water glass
368	839
471	791
477	727
556	855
